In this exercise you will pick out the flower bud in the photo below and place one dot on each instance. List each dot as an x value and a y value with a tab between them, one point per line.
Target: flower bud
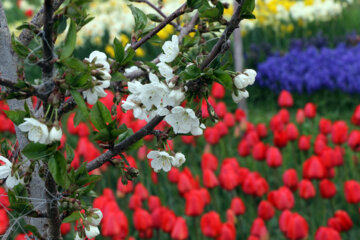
96	217
91	231
55	134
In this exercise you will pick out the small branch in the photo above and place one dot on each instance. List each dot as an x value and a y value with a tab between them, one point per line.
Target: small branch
47	41
26	36
7	83
186	30
180	11
67	106
158	10
232	25
52	208
125	144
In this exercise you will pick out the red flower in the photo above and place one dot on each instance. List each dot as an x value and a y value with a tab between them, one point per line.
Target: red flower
325	233
290	179
180	230
141	191
142	220
188	140
229	120
135	202
228	176
255	185
194	203
209	161
209	179
259	151
310	110
265	210
212	135
354	140
220	109
285	99
258	228
237	206
313	168
273	157
240	115
186	182
64	228
325	126
352	191
284	220
173	175
227	232
115	223
4	221
327	188
4	201
339	132
217	90
276	123
243	148
168	220
280	138
355	119
344	219
300	116
304	143
210	224
292	132
334	223
297	228
306	189
284	115
154	202
282	198
261	130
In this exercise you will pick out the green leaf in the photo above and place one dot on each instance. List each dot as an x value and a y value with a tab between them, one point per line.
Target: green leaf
248	7
129	55
70	41
38	150
80	102
19	48
103	135
140	18
74	64
195	4
100	115
136	145
212	13
69	152
190	73
16	116
78	118
73	217
154	17
119	50
60	24
248	16
224	78
57	167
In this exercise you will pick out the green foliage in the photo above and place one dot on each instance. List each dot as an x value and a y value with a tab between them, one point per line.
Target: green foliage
16	116
57	168
70	41
37	151
19	48
119	51
80	103
139	17
72	217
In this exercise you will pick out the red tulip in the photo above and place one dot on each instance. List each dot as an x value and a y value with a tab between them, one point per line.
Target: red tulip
135	202
237	206
352	191
220	109
240	115
325	126
190	140
168	220
265	210
313	168
355	119
276	123
209	179
261	130
115	223
258	228
227	232
304	143
344	219
4	201
255	185
180	230
285	99
300	116
209	161
186	182
273	157
310	110
243	148
194	203
212	135
230	216
280	138
292	132
319	146
327	188
253	238
284	115
290	179
229	120
284	220
141	191
339	132
354	140
154	202
217	90
227	177
142	220
297	228
210	224
334	223
282	198
259	151
4	221
325	233
65	228
306	189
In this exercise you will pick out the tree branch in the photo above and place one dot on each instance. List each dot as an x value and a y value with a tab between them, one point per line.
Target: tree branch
158	10
26	36
52	208
232	25
180	11
47	41
186	30
125	144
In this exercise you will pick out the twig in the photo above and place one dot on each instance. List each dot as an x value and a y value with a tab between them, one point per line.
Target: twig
67	106
125	144
185	31
177	27
47	41
52	208
180	11
26	36
232	25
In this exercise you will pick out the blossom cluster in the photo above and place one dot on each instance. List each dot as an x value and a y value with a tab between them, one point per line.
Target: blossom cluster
313	69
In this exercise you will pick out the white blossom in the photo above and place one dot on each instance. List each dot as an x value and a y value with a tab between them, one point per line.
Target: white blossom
133	103
174	98
131	69
166	71
92	95
160	160
241	94
37	131
241	81
5	170
171	50
252	75
178	160
55	134
184	120
92	231
77	237
96	217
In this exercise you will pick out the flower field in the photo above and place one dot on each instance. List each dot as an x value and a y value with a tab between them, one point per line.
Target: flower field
286	167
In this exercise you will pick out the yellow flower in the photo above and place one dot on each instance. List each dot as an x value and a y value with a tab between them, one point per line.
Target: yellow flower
140	52
290	28
165	32
308	2
110	50
228	12
124	39
97	40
